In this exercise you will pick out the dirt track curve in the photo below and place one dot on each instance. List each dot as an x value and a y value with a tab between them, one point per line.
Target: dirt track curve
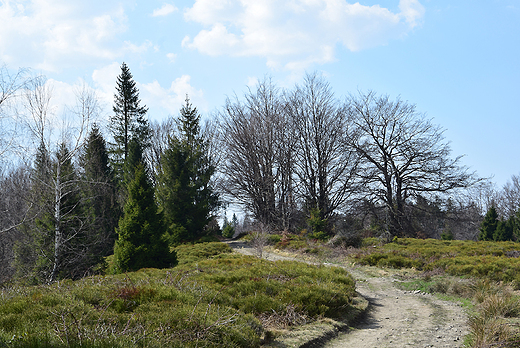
396	318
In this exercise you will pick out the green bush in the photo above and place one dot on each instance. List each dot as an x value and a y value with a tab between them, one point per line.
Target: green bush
292	241
274	239
483	259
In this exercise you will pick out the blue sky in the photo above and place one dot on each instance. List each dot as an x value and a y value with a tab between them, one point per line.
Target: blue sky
458	61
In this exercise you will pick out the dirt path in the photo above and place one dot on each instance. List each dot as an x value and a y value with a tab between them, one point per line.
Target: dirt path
396	318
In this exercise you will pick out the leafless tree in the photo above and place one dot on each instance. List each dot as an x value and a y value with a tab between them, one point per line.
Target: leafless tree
404	154
258	147
260	239
54	177
11	85
325	164
507	201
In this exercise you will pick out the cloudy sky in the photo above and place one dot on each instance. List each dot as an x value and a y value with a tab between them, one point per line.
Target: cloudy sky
458	61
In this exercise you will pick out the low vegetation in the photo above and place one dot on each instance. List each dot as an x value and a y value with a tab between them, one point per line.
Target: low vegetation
212	299
496	261
484	276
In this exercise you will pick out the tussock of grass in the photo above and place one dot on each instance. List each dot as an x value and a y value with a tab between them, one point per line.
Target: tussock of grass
187	253
225	300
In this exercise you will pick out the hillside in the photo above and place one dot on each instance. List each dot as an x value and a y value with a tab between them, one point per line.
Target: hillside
214	298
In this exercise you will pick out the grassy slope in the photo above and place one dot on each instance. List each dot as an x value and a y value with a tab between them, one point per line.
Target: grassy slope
496	261
213	299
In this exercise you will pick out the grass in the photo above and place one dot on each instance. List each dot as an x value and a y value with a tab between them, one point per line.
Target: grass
482	276
490	260
212	299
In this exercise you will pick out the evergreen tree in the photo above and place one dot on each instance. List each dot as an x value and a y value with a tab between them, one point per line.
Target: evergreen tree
99	196
135	156
36	244
141	230
489	225
504	231
515	219
184	191
128	120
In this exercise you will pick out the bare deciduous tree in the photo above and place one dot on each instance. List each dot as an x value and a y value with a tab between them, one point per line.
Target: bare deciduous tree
55	178
258	144
325	163
404	154
159	134
11	85
508	200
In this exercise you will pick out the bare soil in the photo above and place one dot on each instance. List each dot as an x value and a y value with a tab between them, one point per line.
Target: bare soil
395	317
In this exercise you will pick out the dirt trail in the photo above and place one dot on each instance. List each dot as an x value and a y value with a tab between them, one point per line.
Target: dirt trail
396	318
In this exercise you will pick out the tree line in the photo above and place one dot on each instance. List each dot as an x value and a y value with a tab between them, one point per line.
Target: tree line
296	160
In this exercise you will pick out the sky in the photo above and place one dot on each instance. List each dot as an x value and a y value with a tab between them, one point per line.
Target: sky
457	61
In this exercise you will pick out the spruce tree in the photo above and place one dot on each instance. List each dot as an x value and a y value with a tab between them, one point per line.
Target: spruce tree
128	120
489	225
504	231
99	195
33	251
142	232
184	191
135	156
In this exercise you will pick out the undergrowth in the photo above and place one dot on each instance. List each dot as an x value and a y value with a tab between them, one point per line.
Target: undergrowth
212	299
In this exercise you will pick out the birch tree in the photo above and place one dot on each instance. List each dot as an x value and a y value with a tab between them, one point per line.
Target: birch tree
60	227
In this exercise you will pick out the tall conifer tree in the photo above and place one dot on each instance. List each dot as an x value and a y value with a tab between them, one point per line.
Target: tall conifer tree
489	225
129	118
504	231
99	196
184	191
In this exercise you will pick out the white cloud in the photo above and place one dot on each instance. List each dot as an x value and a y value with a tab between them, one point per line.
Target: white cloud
172	57
171	99
412	11
133	48
165	10
294	34
105	83
50	34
